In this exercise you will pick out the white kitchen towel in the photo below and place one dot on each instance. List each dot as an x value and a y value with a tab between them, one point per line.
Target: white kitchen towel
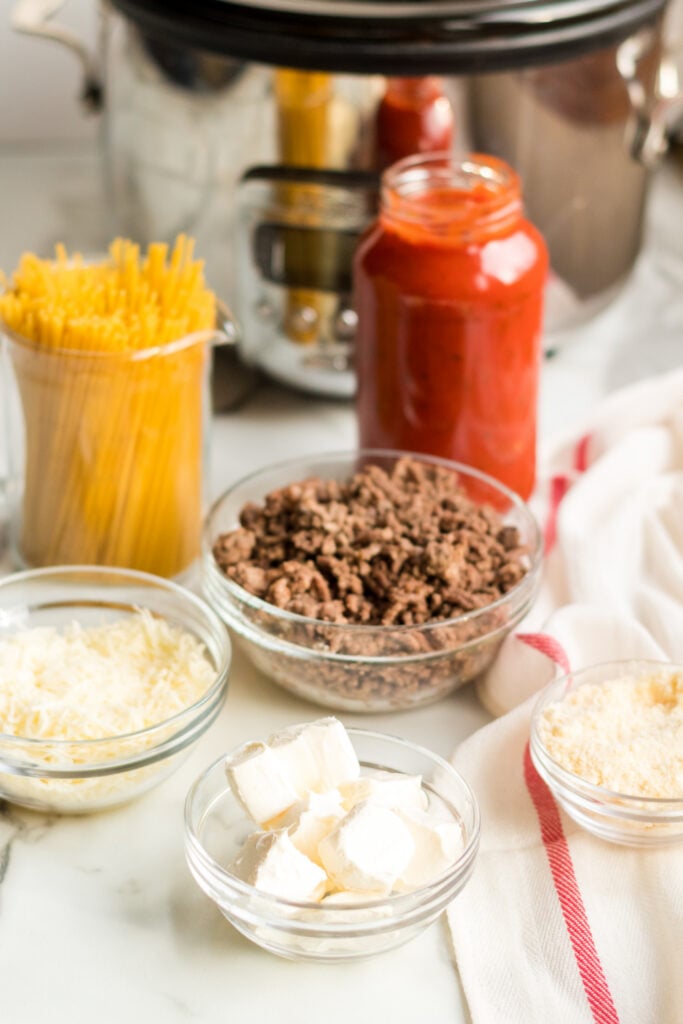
611	502
556	924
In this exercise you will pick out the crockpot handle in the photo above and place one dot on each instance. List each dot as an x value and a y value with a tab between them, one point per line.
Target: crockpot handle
32	17
228	330
654	116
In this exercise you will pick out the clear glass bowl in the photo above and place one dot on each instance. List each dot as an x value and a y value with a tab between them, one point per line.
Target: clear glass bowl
617	817
87	775
366	668
216	827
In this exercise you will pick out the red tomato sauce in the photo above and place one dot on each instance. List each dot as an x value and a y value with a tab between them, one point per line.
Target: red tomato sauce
414	116
448	289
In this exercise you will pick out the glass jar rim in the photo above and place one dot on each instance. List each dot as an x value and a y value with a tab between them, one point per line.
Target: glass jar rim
406	182
206	336
225	330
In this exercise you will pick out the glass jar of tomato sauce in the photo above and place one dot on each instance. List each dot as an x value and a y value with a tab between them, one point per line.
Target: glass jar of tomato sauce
413	116
448	288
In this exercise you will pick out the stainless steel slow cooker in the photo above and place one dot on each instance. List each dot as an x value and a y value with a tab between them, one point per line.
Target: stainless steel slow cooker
250	125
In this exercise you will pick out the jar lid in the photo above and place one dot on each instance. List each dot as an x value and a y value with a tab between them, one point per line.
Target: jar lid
394	37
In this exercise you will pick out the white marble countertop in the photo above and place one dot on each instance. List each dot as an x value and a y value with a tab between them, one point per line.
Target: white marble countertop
99	917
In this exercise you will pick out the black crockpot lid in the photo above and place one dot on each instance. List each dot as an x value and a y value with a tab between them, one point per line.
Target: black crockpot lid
395	37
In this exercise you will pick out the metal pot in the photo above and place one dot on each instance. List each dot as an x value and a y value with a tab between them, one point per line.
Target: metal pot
577	95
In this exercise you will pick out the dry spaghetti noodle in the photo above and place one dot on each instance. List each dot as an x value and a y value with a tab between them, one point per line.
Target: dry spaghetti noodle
110	363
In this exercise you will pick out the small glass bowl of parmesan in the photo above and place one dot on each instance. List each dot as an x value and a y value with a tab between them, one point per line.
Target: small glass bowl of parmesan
108	677
608	741
339	926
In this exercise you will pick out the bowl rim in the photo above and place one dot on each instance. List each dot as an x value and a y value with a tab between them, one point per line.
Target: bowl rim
646	808
515	594
203	704
193	843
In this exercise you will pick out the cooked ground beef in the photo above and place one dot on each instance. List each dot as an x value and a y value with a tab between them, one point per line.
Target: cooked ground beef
400	548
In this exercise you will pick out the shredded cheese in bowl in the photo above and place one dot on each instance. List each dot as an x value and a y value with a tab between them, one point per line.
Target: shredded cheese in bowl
93	713
608	741
91	683
625	734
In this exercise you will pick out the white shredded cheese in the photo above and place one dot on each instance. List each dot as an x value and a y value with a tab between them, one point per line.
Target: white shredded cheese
80	796
92	683
84	684
625	734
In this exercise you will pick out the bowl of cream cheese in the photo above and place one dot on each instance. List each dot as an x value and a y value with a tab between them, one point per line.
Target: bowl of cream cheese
323	844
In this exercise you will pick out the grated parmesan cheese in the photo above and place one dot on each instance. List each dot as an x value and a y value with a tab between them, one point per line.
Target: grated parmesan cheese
96	682
79	686
625	734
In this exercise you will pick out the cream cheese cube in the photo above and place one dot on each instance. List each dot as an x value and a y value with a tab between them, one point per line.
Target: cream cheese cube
368	850
270	862
390	789
310	820
316	756
258	783
438	844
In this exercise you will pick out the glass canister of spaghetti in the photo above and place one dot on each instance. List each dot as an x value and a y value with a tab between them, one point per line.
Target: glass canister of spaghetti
106	364
448	285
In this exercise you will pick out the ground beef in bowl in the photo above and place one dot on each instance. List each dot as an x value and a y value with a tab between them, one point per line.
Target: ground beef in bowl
375	581
403	547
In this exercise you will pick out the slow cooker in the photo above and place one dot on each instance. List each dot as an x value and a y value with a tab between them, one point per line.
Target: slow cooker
252	126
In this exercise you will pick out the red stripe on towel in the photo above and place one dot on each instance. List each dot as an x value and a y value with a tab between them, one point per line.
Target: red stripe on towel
561	867
559	485
581	453
547	645
566	886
